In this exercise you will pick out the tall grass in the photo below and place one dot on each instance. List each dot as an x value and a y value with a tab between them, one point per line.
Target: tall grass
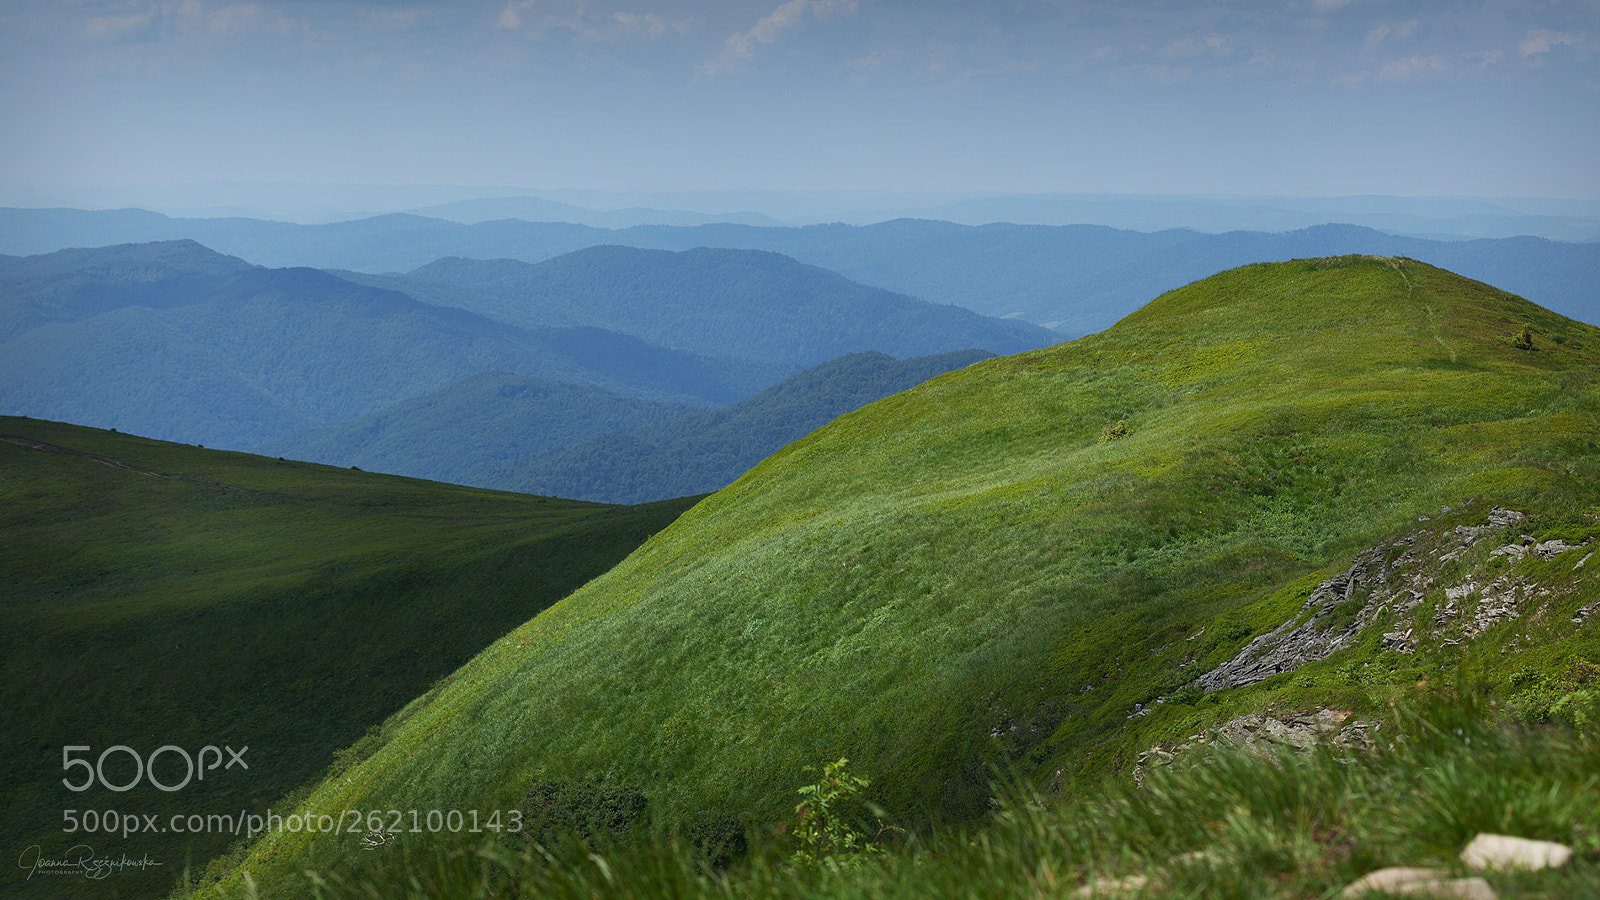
1220	823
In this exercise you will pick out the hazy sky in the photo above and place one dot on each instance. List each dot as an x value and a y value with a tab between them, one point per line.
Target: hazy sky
1303	97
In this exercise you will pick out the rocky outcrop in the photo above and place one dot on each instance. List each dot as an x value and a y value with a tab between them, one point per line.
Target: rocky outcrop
1389	581
1324	624
1265	734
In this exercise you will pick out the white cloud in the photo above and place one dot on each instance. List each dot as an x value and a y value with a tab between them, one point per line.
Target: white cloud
791	16
119	27
650	24
1403	31
248	18
510	19
1541	41
191	20
1410	67
1188	47
386	19
877	59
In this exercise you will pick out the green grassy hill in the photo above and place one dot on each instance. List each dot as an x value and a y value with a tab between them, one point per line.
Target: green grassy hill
1032	562
158	594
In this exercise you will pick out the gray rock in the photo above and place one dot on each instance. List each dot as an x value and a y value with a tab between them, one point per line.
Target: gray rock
1553	549
1502	516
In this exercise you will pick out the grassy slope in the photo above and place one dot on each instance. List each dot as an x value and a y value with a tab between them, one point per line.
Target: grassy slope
239	600
976	554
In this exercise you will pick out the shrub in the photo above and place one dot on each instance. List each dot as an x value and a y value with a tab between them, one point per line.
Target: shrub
825	834
1115	430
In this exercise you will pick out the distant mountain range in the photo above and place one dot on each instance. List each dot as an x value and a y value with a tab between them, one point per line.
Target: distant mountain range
1076	279
474	431
175	341
516	433
538	209
738	304
142	338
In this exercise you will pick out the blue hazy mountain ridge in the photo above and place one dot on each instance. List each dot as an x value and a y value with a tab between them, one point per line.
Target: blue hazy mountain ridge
737	304
511	432
1439	218
539	209
1075	278
474	430
708	450
146	340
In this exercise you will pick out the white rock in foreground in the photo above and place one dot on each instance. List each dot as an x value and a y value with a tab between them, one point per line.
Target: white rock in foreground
1422	882
1498	851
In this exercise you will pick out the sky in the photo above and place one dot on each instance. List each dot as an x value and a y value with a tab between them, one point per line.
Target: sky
1499	98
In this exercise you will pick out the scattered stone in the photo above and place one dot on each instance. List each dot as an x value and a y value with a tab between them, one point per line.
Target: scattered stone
1498	851
1516	550
1554	548
1300	732
1582	561
1502	516
1263	734
1422	882
1113	887
1400	641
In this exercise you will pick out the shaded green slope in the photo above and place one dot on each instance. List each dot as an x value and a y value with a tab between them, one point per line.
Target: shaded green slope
998	565
157	594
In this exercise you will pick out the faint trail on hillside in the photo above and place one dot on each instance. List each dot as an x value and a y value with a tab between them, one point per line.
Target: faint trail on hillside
114	463
1433	318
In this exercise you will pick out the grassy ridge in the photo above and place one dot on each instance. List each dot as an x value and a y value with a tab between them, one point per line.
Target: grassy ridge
159	594
997	566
